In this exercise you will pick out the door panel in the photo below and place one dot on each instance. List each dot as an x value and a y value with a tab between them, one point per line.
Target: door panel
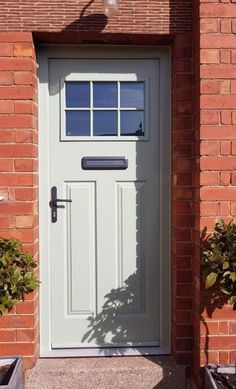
105	245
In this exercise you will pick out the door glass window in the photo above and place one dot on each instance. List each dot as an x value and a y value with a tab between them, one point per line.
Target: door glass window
105	108
105	95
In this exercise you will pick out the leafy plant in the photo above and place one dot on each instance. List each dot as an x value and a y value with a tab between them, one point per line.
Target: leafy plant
219	260
17	276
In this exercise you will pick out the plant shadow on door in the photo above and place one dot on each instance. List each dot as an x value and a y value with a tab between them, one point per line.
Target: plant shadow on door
118	302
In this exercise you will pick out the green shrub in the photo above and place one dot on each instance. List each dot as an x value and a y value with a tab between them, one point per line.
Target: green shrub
17	276
219	260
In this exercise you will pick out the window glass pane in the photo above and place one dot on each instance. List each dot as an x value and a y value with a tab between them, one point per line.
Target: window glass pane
132	95
77	123
105	94
77	94
104	123
132	123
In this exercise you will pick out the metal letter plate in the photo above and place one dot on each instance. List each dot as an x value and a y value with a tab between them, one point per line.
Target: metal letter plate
104	163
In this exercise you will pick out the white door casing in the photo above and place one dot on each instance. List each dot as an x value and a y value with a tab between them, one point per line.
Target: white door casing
105	283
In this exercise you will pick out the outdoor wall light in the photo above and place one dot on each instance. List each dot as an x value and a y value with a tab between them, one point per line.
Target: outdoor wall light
110	7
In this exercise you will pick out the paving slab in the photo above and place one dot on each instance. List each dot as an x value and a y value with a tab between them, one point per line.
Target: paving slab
109	372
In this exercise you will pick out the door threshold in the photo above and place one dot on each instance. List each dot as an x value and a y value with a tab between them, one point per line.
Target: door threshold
105	352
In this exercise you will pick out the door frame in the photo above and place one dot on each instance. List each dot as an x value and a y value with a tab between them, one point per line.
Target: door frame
47	52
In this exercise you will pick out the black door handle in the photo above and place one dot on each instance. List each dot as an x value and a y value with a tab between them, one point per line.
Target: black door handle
53	203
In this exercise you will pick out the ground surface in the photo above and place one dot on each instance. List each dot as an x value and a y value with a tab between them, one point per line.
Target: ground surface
99	373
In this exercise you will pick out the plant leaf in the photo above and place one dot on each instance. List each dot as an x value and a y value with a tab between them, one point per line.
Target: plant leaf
210	279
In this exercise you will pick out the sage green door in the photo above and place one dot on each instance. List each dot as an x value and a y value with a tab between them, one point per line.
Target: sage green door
105	265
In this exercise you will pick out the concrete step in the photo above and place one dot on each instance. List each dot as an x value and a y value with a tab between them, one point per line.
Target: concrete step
110	372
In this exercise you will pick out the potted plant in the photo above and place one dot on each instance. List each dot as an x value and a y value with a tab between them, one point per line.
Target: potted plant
219	274
17	278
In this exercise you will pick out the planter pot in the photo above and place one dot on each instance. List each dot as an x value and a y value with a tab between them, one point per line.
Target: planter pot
11	373
218	376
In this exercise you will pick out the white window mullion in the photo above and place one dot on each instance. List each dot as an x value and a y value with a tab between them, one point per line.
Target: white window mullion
118	108
91	108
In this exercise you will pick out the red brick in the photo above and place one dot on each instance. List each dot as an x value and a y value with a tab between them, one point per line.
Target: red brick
16	121
209	208
215	41
26	107
183	317
224	357
16	208
209	117
6	107
209	86
233	178
220	342
6	78
25	78
225	87
218	163
209	178
232	327
23	136
17	92
225	178
225	56
218	71
27	307
23	165
218	101
24	235
226	117
225	148
209	56
225	26
7	335
26	194
6	50
24	50
17	321
24	222
6	165
26	64
18	150
218	194
224	209
210	148
15	36
17	348
7	222
223	327
26	335
208	356
208	327
208	25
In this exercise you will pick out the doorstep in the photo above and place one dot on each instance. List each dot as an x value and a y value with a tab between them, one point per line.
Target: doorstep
109	372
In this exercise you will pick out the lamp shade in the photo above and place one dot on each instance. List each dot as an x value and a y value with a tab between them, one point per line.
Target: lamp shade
110	7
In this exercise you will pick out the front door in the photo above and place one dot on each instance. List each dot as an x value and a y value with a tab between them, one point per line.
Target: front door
104	147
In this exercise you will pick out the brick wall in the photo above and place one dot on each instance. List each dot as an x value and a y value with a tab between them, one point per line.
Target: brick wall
215	162
137	16
18	178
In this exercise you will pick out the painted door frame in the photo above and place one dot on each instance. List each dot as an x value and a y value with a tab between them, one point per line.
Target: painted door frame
92	52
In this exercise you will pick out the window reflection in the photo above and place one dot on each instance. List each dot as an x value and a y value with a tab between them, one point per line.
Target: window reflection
105	123
132	123
77	123
105	94
132	95
77	94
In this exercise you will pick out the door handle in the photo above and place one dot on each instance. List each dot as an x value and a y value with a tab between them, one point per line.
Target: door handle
53	203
